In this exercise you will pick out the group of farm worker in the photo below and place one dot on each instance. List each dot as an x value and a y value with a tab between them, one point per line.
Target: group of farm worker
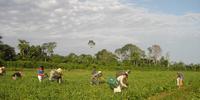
117	83
121	80
54	75
14	76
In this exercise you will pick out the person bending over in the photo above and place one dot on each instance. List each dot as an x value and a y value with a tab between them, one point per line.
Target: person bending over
17	75
56	75
2	70
122	81
40	73
179	79
97	78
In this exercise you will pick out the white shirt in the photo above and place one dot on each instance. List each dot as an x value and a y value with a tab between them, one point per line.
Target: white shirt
120	79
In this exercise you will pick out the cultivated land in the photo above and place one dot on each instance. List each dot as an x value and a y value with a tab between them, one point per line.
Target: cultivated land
152	85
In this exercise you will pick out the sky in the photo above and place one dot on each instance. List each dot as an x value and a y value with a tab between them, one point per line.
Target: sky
172	24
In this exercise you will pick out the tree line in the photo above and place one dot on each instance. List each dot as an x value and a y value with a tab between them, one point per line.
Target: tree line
128	56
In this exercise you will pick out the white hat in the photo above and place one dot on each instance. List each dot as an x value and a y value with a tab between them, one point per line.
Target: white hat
99	72
59	70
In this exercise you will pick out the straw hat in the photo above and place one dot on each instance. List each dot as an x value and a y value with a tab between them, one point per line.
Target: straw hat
99	72
59	70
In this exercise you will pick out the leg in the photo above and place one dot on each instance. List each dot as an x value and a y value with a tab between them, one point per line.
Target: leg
40	78
117	89
59	80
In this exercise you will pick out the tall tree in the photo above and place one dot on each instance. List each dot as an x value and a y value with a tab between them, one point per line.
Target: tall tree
7	52
49	48
71	58
155	52
24	49
0	39
57	58
119	54
106	57
130	52
85	59
35	53
167	57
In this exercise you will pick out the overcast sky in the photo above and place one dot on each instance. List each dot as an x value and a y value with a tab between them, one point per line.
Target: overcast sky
173	24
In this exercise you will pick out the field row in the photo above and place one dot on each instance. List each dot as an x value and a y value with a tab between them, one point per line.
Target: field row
76	86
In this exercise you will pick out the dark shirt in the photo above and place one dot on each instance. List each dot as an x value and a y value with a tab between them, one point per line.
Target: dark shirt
17	74
180	75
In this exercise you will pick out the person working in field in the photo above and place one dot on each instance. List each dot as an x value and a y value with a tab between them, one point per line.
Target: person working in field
179	79
120	82
2	70
40	73
17	75
56	75
97	78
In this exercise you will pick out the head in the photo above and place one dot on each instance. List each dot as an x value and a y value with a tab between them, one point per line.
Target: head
21	73
128	72
42	67
59	70
2	67
99	73
178	74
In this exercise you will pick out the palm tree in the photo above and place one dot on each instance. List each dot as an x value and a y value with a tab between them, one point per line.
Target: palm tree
23	47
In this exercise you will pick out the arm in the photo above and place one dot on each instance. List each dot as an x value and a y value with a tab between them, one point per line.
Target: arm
121	81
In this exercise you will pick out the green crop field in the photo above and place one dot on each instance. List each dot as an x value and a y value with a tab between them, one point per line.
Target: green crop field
152	85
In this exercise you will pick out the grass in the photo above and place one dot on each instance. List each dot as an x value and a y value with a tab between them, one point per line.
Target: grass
142	85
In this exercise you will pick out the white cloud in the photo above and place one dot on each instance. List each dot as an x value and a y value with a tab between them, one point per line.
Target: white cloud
46	3
109	22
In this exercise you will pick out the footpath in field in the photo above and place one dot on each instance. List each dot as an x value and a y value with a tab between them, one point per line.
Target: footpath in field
160	96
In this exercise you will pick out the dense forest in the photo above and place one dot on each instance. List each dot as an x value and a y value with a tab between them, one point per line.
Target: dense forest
127	57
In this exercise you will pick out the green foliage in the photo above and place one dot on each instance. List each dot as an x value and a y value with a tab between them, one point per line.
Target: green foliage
105	57
129	56
24	49
49	48
35	52
85	59
0	39
130	52
7	52
72	57
178	66
74	65
57	58
2	62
